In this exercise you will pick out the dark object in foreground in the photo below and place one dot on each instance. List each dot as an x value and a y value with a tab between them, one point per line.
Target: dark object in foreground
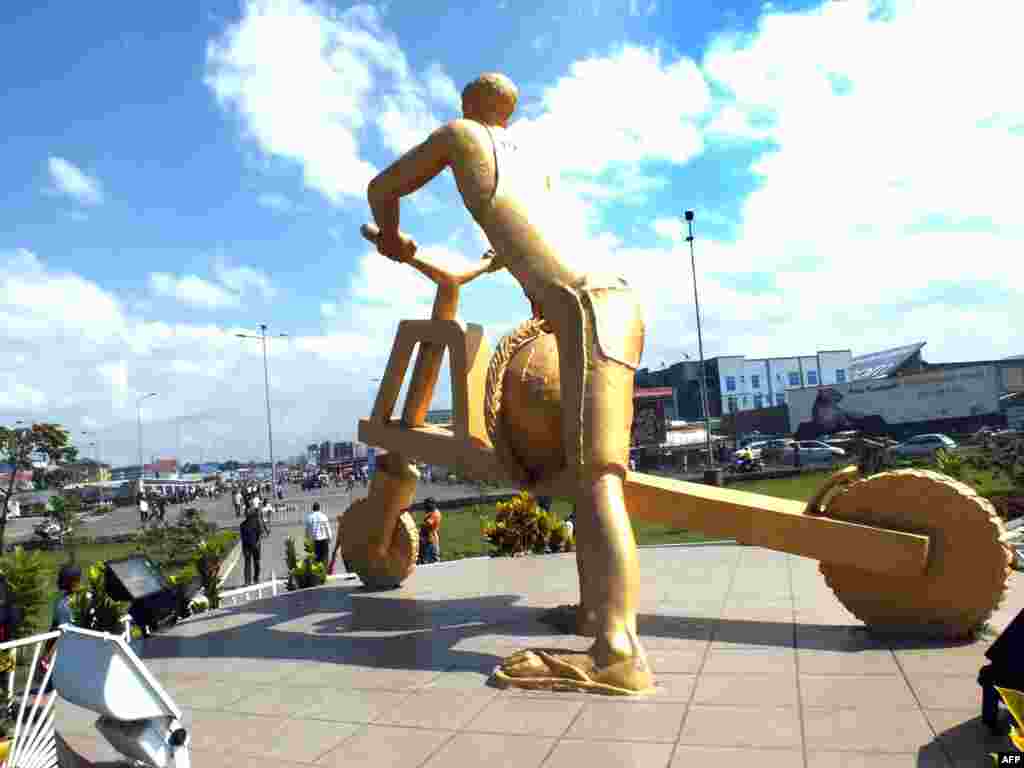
139	581
1006	669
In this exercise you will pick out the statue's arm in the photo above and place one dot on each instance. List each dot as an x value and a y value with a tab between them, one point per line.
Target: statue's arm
403	177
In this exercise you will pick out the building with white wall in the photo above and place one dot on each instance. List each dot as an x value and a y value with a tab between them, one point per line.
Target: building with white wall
746	383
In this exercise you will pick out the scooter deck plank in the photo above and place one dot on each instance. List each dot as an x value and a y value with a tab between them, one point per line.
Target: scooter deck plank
750	518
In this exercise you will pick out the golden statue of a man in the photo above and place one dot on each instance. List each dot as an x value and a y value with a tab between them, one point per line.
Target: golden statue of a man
599	328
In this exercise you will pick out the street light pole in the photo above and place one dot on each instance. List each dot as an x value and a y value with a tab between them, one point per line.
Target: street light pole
700	343
266	383
138	408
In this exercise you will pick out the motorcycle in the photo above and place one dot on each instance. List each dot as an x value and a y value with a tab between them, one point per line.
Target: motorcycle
743	463
51	532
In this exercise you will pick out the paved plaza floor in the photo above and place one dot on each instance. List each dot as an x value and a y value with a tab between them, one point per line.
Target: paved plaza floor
757	664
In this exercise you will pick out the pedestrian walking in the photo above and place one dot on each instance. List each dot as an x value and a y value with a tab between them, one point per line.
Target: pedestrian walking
143	508
318	529
430	534
251	531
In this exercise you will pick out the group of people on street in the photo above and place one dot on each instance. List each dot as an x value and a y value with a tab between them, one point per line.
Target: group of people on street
152	501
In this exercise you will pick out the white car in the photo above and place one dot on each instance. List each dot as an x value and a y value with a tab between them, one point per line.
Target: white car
812	452
923	445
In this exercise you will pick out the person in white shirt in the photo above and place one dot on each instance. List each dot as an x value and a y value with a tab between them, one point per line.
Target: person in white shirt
318	528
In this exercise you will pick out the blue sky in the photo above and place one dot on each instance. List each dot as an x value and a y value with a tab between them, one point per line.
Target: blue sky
174	175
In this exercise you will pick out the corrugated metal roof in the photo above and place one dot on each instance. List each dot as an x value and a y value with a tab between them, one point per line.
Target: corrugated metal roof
878	365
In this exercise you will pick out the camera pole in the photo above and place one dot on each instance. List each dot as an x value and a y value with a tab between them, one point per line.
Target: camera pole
700	344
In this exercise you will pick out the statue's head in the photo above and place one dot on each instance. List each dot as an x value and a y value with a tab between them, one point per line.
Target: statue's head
490	99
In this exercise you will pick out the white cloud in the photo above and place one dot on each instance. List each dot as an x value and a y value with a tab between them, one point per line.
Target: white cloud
98	362
72	181
192	290
442	88
241	279
308	82
616	111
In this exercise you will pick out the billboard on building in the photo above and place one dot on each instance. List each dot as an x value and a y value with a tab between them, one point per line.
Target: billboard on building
871	404
650	425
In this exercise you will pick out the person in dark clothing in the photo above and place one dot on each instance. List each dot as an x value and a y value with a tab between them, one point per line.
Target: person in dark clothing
251	531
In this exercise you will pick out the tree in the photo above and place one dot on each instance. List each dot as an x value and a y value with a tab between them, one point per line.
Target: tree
68	454
17	444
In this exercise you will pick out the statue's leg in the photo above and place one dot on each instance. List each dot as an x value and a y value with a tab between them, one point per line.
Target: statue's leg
616	662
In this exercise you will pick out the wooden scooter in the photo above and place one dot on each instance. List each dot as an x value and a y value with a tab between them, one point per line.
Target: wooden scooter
907	550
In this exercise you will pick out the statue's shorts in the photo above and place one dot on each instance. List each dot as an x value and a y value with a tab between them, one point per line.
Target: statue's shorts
600	331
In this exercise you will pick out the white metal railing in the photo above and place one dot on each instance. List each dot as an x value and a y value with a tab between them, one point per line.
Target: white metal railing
32	744
232	597
293	511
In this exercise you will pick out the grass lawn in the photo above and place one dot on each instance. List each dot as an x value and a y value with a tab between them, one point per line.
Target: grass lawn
461	528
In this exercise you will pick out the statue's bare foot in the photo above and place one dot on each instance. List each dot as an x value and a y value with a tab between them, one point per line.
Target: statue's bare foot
554	670
570	620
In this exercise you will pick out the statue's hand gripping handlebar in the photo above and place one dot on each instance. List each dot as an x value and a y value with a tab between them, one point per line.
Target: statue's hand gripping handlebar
442	277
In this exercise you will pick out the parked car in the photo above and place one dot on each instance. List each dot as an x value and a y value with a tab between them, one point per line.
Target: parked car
923	445
811	452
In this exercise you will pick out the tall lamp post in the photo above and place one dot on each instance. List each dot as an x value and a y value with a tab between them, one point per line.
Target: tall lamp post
700	343
266	383
138	408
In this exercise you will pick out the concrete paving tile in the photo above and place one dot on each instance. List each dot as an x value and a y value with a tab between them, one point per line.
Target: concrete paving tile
724	659
222	731
687	756
353	706
952	663
204	758
305	741
761	629
444	710
747	690
526	715
741	726
677	662
213	695
460	679
630	721
815	662
887	692
947	692
845	639
570	753
385	747
930	756
674	687
851	729
284	701
492	750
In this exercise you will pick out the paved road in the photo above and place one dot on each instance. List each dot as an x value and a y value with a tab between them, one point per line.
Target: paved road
221	511
333	502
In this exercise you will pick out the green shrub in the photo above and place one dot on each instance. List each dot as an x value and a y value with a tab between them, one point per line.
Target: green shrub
25	572
951	464
209	557
520	526
308	572
92	608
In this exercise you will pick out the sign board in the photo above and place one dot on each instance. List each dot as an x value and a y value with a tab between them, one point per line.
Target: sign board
950	394
649	424
371	460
